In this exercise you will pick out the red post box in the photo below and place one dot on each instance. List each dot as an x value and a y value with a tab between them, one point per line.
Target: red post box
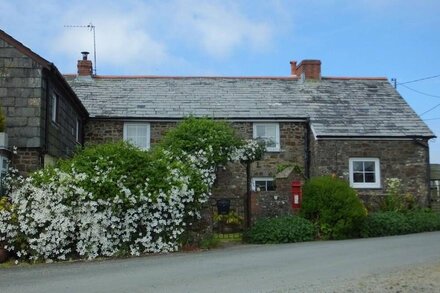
296	195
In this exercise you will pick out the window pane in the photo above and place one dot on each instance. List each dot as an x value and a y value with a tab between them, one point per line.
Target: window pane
270	185
358	166
261	131
369	166
358	177
260	185
370	178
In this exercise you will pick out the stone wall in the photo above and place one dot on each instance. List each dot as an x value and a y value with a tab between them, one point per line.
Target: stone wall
403	159
26	160
100	131
231	180
20	96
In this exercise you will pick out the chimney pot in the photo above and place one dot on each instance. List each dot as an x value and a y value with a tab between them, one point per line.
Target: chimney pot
293	68
85	53
84	66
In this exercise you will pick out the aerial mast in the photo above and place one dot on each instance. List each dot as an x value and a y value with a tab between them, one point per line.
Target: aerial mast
91	27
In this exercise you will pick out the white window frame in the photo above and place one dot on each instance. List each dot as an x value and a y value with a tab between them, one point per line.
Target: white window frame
55	102
138	124
277	135
77	131
267	179
377	177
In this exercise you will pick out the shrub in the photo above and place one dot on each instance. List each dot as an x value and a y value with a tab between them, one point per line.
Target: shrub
216	138
397	223
333	206
284	229
395	199
109	199
117	199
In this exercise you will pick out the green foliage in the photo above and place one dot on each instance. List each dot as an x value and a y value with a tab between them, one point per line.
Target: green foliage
333	206
284	229
209	241
397	223
395	199
191	135
2	120
231	218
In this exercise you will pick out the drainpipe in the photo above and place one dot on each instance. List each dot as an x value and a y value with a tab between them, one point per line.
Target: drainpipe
248	194
307	150
428	167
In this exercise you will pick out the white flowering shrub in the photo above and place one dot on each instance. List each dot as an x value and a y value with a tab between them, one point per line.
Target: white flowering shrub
114	199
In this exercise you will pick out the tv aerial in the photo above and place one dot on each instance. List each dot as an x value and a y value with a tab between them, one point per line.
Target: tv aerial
91	27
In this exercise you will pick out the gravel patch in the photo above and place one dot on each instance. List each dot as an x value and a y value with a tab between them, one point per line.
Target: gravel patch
421	278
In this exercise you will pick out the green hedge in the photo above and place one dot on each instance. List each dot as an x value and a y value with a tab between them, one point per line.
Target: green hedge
284	229
397	223
333	206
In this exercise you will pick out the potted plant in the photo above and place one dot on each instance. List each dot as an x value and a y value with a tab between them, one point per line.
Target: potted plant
228	223
3	135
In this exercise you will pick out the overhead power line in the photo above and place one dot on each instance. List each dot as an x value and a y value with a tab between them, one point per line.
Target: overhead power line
420	79
429	110
419	92
436	118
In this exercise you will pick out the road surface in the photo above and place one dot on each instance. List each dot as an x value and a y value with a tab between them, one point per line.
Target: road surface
361	265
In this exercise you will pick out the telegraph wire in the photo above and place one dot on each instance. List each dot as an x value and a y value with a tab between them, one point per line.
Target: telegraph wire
429	110
436	118
420	79
419	92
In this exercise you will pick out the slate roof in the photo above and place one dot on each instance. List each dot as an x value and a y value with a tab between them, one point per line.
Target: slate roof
336	107
435	171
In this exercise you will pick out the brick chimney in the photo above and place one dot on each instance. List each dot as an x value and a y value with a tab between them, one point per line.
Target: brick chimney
310	68
84	65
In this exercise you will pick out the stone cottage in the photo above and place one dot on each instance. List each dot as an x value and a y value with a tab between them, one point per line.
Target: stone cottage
359	129
44	117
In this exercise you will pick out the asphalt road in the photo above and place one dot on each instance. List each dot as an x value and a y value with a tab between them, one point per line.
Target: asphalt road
302	267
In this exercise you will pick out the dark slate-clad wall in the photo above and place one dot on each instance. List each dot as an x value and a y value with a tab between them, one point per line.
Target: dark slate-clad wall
62	133
20	93
25	88
403	159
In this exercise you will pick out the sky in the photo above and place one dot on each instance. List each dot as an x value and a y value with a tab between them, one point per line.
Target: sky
364	38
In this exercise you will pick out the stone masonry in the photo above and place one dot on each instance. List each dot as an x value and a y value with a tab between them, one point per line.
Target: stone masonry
231	181
403	159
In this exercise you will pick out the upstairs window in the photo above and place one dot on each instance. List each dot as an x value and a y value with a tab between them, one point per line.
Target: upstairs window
138	134
78	131
364	172
269	133
54	101
263	184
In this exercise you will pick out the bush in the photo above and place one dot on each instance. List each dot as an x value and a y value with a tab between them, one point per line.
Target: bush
395	199
333	206
115	199
217	139
109	199
284	229
397	223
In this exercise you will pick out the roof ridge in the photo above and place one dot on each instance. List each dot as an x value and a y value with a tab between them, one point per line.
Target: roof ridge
293	77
